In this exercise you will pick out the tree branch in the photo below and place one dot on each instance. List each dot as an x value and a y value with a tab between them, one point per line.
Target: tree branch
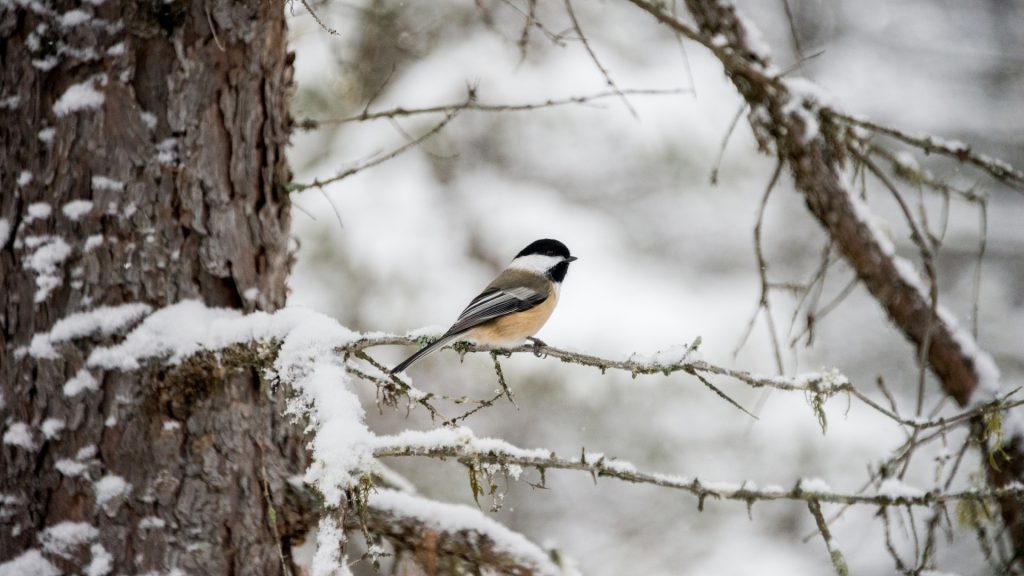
359	167
998	169
472	104
460	444
442	538
789	119
814	384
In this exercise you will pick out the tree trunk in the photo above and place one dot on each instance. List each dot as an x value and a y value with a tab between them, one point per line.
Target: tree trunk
141	161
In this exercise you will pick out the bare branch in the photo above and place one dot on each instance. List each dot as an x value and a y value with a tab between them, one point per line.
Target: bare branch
473	105
532	20
764	303
794	34
317	19
604	71
298	187
725	142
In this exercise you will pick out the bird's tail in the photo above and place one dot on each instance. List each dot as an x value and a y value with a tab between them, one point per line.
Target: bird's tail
433	347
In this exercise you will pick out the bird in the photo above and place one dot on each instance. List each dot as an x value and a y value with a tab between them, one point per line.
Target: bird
514	306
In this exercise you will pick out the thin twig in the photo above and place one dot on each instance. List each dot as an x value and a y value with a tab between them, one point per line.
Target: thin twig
317	19
725	142
593	57
998	169
501	380
555	39
794	35
982	244
916	175
838	561
298	187
473	105
764	302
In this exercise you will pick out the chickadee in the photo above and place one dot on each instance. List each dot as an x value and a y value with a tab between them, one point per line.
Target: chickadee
514	306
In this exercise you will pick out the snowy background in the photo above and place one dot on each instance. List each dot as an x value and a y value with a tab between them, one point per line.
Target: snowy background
665	256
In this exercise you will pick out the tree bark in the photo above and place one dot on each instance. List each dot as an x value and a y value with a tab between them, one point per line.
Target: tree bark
171	119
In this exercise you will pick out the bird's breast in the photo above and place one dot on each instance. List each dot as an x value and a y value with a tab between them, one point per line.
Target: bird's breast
514	327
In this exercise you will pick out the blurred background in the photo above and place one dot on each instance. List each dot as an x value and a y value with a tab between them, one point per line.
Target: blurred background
665	255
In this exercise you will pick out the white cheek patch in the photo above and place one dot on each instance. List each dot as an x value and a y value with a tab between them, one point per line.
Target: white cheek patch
538	263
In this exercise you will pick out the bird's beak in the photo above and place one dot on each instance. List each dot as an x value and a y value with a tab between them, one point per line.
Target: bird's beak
571	259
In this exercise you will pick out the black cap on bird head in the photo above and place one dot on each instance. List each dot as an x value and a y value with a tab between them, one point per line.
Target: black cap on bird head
546	247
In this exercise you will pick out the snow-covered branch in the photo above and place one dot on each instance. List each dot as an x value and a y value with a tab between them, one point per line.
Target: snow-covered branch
998	169
446	535
676	359
817	385
462	445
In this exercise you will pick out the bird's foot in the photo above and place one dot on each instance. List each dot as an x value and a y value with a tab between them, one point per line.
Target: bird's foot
537	345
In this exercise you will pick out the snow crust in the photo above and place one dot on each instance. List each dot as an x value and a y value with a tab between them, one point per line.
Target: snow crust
103	320
62	539
328	560
38	211
70	468
152	523
894	488
104	183
149	119
30	563
44	262
806	99
110	487
461	437
80	382
342	445
75	209
452	518
78	97
815	485
102	562
755	40
19	434
51	427
74	18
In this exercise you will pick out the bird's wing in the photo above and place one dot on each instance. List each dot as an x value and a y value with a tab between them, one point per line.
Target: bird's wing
499	299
